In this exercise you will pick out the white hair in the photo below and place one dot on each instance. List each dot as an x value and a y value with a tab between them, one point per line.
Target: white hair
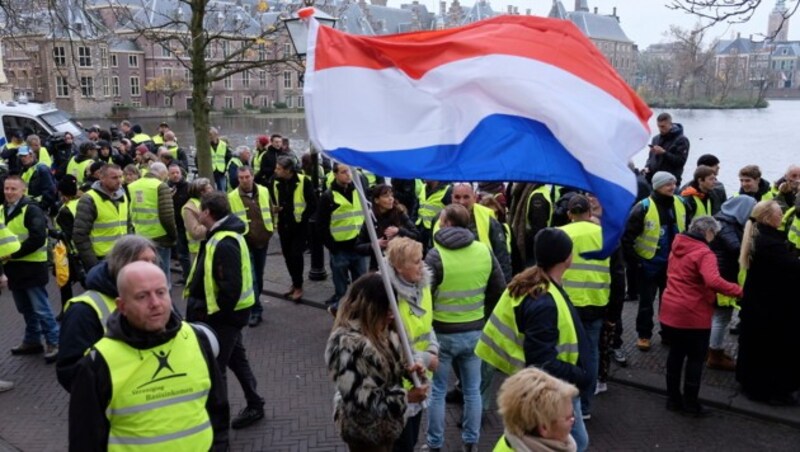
159	170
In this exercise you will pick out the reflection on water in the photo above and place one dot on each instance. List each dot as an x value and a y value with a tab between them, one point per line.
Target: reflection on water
766	137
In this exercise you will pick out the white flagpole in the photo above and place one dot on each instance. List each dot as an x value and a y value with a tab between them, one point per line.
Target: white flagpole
384	270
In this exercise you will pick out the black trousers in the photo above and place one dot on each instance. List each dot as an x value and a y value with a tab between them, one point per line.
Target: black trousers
233	355
293	245
410	435
691	346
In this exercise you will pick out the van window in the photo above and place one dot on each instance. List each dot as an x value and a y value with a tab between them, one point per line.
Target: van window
60	122
27	126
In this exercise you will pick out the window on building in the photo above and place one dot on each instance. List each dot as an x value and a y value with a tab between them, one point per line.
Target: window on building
114	62
133	60
106	90
84	57
115	86
135	91
264	101
289	102
246	79
165	51
166	72
104	56
167	101
227	82
300	82
60	56
187	76
87	87
136	103
287	50
301	102
226	48
262	53
229	102
62	87
287	79
262	78
247	101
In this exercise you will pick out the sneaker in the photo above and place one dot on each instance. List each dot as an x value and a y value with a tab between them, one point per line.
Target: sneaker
247	417
470	448
6	386
254	321
619	356
601	387
27	349
643	344
50	353
332	310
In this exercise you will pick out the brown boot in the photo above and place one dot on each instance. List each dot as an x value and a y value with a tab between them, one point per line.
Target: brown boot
717	359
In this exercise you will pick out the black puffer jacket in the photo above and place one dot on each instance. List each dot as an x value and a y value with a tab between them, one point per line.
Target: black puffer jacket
673	160
726	246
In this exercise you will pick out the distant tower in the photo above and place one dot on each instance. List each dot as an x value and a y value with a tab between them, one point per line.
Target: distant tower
582	5
778	19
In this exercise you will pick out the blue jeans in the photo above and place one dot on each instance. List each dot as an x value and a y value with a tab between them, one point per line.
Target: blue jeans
346	267
457	349
592	329
258	260
34	306
164	255
578	431
221	181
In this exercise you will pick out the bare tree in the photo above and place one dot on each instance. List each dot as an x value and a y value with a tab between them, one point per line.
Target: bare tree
691	59
166	85
713	12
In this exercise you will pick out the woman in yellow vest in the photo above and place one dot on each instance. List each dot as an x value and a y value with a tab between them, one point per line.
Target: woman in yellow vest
411	281
537	413
65	220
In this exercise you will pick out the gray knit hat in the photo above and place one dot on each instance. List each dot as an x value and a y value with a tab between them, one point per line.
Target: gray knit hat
662	178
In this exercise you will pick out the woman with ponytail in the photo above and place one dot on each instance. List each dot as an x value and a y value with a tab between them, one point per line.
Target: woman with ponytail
770	309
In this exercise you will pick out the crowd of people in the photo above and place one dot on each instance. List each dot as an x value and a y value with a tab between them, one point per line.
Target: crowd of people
490	278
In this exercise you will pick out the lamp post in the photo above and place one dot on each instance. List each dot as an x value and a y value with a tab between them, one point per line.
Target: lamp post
297	27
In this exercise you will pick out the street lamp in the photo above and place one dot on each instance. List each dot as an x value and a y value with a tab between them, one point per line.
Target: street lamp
297	27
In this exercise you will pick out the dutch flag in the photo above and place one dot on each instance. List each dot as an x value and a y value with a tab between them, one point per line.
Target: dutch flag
513	98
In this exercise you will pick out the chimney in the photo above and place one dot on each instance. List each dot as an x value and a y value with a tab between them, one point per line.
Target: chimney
614	11
738	35
595	10
528	12
510	9
516	11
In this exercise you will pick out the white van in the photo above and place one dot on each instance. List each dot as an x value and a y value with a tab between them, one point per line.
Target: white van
42	119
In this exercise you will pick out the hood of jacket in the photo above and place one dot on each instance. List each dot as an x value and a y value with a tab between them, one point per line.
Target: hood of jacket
117	195
231	223
99	279
454	238
692	191
675	131
119	328
738	207
411	292
688	243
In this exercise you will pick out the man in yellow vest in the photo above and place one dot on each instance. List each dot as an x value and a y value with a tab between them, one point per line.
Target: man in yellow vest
27	271
652	226
177	153
102	217
219	292
153	213
78	164
42	154
295	202
85	316
339	220
466	283
434	196
241	157
39	180
698	194
140	138
153	380
251	203
161	137
590	284
220	155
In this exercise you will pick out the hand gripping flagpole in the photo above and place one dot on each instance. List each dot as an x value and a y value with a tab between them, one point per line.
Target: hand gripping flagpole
384	270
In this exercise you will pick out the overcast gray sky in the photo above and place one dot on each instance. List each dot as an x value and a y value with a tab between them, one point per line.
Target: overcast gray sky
644	21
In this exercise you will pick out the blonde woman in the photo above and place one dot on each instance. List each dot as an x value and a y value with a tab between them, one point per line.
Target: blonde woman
195	231
770	309
366	364
537	412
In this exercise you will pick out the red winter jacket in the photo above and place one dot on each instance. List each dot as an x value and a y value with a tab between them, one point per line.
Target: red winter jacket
693	279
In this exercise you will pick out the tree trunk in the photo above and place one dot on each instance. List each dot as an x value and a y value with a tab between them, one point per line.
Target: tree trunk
200	107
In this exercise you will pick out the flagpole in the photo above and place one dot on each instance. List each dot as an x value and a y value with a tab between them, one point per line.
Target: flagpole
384	271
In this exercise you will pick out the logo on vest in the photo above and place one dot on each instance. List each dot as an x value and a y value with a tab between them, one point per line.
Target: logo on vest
163	365
139	196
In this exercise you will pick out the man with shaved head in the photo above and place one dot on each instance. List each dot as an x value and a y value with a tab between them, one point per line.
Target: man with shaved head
153	379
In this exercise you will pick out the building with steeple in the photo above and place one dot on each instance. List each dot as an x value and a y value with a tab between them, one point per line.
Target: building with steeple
778	25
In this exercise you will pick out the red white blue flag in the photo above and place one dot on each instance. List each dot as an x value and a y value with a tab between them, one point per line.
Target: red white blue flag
513	98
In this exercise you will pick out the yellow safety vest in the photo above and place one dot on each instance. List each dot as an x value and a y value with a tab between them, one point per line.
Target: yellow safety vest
158	395
507	229
194	245
791	224
347	219
483	223
28	175
547	191
102	304
17	227
238	209
9	242
587	282
431	205
144	207
236	162
371	178
218	156
110	225
158	140
44	157
724	300
78	170
502	445
501	342
298	197
173	151
646	244
459	298
140	138
418	328
259	154
701	206
246	296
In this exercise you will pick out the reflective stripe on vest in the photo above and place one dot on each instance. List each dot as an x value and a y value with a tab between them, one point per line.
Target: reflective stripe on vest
247	297
419	328
9	242
587	282
238	208
78	170
194	245
298	197
144	207
646	244
347	219
17	227
431	206
459	298
218	156
110	225
102	304
158	395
